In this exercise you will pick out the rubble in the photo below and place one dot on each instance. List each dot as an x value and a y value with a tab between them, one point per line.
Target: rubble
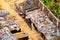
43	24
7	23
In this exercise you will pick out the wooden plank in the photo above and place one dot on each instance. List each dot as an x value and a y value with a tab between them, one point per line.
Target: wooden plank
20	35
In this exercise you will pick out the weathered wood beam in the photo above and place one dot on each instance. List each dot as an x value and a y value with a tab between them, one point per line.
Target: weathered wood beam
20	35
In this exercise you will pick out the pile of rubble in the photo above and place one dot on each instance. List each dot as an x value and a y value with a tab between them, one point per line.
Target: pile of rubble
7	24
43	24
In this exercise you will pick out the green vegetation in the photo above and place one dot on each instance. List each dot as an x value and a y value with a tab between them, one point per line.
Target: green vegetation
54	6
